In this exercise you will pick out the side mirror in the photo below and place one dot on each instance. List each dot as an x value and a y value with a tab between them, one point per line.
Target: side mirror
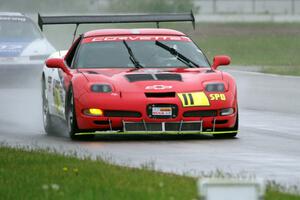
57	63
220	60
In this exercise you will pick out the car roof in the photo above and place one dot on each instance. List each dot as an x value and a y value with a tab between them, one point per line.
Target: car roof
144	31
11	14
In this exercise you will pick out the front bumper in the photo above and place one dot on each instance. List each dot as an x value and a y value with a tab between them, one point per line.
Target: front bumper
138	103
169	128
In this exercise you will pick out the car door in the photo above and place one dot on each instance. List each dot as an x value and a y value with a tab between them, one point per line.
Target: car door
61	82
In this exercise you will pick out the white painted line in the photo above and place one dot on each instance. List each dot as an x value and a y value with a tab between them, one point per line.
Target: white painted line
233	189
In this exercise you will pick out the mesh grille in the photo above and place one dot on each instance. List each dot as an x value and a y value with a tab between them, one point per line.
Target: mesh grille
162	127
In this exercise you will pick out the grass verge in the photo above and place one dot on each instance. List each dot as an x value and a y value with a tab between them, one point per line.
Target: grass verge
41	175
274	47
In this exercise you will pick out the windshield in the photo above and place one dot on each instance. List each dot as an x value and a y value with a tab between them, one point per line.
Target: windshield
114	54
18	29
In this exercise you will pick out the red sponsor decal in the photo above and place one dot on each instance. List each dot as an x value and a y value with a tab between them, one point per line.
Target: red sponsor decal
135	38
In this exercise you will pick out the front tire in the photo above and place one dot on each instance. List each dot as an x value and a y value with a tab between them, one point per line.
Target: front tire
71	117
72	121
234	129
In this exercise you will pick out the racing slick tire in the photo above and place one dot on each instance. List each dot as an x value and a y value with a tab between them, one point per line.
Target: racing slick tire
71	116
71	119
47	121
230	135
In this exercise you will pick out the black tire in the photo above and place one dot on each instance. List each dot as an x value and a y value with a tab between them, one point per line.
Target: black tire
234	129
72	121
48	125
71	116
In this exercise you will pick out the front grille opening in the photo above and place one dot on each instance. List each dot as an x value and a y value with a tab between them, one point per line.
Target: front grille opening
121	113
200	113
160	94
101	122
220	121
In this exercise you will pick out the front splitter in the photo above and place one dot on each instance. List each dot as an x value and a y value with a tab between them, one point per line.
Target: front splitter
155	133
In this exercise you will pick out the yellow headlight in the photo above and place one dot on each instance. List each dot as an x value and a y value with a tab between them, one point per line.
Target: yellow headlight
93	112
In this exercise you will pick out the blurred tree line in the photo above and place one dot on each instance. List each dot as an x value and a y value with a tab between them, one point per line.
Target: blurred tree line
97	6
152	6
44	6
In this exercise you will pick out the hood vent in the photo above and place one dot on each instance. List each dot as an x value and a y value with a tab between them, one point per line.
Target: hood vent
91	72
153	77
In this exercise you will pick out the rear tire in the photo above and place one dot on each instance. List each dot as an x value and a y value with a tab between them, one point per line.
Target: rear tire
48	125
230	135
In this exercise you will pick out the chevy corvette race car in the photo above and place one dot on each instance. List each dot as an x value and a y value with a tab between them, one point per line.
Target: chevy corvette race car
145	81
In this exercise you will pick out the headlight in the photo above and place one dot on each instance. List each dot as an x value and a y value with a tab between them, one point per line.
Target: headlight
227	111
104	88
215	87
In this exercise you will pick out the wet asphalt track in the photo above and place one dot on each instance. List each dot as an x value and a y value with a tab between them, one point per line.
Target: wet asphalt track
267	146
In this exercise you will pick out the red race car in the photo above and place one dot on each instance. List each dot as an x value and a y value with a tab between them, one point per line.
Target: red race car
141	81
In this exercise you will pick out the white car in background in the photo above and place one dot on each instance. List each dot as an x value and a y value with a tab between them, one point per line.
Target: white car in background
23	47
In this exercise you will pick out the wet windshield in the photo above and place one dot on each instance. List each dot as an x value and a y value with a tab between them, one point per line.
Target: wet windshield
115	55
21	29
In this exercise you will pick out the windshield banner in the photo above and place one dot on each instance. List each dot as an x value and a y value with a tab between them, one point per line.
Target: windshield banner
136	38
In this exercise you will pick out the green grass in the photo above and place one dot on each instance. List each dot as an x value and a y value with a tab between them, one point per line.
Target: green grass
274	47
260	50
24	174
42	175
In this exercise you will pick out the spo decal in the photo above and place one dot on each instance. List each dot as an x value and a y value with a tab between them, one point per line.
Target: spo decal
216	97
193	99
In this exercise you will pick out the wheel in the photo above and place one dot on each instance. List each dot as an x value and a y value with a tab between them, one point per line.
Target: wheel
71	116
71	120
48	126
230	135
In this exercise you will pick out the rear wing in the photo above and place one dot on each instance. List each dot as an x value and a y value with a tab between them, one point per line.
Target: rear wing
126	18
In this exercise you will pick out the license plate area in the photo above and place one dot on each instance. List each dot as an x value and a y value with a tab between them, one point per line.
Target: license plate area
162	111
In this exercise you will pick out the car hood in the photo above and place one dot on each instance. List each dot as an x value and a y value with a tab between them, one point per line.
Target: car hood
153	80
